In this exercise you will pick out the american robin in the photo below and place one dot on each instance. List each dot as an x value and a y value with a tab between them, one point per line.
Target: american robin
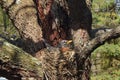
65	45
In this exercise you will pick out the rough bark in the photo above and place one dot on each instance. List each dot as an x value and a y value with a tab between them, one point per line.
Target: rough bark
68	19
72	18
15	64
55	64
81	18
23	15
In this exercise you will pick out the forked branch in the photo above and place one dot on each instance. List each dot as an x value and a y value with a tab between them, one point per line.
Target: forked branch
99	40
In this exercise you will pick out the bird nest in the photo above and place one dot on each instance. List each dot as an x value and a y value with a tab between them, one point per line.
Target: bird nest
58	65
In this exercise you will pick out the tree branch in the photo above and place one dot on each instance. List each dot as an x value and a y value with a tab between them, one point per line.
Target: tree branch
99	31
99	40
15	62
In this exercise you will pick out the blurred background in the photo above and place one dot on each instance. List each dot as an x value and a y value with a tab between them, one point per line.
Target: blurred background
106	59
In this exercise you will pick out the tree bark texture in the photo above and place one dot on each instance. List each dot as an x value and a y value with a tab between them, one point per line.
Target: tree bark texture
72	20
59	20
52	21
55	65
15	64
24	16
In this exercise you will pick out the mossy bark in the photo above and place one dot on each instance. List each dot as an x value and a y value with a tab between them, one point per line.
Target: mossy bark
23	15
57	65
73	16
15	63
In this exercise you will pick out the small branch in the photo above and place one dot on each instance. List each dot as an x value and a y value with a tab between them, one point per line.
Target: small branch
99	31
98	41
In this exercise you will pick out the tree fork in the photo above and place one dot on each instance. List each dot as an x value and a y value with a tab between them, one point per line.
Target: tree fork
72	64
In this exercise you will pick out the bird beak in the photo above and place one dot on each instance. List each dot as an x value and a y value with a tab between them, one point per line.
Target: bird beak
69	41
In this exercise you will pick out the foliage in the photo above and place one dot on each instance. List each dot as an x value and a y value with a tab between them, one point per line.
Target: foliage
103	5
104	14
7	29
109	50
1	17
110	74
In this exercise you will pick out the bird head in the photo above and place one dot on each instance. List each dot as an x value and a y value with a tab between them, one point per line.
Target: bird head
65	43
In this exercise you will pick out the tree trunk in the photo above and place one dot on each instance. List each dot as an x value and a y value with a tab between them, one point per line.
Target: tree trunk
81	18
23	15
75	18
58	20
56	65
